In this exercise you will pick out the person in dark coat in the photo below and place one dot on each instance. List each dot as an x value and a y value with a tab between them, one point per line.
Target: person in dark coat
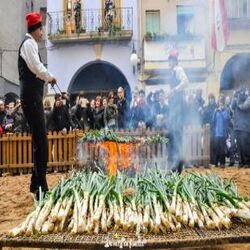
33	75
111	113
2	112
20	124
207	119
98	114
221	128
161	110
178	82
123	109
60	117
90	113
241	120
8	121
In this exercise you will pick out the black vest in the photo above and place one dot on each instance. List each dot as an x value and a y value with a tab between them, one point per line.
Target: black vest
31	87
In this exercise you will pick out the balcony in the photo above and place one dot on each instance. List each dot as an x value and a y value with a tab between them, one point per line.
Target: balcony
192	51
94	26
238	13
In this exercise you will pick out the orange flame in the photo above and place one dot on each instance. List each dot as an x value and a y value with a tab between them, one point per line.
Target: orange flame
120	155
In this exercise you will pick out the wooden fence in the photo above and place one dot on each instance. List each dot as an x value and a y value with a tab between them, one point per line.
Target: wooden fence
65	150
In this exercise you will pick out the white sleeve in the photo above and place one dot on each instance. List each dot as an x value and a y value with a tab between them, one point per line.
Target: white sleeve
29	52
181	75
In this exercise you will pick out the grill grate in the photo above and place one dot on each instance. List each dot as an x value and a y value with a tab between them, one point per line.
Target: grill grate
186	237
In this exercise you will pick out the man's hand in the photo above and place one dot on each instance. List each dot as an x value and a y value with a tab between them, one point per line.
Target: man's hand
53	81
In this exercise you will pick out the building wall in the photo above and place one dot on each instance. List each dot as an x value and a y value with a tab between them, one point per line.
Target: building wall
12	31
168	15
215	61
64	60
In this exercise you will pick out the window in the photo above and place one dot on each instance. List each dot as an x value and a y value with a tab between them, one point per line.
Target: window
238	8
185	20
153	21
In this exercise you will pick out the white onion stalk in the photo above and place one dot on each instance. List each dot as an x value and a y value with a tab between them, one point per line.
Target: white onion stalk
111	214
32	221
215	218
65	215
104	220
244	214
190	215
55	211
44	213
99	209
20	229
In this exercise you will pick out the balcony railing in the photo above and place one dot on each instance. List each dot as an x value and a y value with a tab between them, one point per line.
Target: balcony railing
93	24
238	9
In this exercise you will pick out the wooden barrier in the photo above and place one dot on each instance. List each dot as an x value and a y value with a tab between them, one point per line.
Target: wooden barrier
196	145
16	152
64	150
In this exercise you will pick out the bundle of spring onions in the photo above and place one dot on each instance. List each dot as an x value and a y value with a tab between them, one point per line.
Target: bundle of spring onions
95	136
153	202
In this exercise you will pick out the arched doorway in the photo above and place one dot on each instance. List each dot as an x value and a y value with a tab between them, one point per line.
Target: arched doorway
236	72
98	78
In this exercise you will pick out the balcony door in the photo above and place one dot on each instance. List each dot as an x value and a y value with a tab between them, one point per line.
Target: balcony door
111	13
69	16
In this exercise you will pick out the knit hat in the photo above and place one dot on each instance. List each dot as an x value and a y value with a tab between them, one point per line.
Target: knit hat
33	21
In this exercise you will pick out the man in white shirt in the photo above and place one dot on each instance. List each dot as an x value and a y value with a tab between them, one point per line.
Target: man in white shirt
32	76
178	82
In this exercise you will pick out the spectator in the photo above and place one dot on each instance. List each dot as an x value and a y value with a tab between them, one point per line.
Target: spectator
2	112
140	112
123	109
82	113
241	108
8	120
20	124
231	141
161	110
207	118
98	114
75	123
104	102
199	104
91	110
65	96
221	125
192	115
60	116
111	113
47	114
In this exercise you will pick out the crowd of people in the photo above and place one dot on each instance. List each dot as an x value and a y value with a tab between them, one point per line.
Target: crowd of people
229	118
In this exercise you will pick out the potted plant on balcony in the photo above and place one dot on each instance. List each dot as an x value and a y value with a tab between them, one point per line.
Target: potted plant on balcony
148	36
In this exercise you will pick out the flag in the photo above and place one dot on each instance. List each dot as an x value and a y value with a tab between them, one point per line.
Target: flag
220	32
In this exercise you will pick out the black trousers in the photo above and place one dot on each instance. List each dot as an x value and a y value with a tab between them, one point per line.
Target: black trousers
34	113
175	157
243	143
212	149
220	150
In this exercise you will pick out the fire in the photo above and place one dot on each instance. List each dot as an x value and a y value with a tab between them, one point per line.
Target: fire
120	156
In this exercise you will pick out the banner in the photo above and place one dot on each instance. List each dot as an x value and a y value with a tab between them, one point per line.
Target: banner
220	32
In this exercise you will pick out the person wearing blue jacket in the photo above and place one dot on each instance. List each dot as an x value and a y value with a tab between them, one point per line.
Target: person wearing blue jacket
220	125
